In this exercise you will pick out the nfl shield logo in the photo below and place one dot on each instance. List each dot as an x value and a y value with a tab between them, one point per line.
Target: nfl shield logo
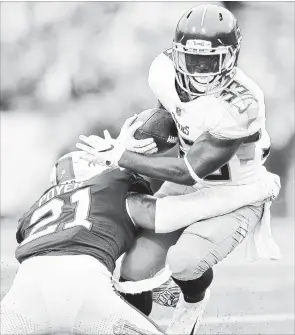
178	111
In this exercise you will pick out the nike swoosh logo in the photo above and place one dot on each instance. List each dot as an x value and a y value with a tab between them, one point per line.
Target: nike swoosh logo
243	110
109	149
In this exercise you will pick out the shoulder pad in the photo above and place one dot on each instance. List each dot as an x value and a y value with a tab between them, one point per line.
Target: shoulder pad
250	85
239	118
243	108
161	66
162	81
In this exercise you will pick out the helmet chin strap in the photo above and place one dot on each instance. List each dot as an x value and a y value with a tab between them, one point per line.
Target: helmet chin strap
214	88
199	86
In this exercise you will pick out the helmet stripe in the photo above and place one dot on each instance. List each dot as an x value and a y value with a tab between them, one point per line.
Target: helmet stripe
203	15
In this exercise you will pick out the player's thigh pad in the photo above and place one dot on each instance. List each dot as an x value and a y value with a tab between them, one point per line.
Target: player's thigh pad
147	255
205	243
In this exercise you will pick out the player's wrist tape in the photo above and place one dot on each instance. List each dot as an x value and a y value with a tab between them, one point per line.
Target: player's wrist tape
191	171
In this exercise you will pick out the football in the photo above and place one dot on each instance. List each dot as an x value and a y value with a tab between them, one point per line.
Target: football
159	124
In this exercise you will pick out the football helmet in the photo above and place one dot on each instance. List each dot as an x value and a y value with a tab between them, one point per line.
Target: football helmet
74	166
205	49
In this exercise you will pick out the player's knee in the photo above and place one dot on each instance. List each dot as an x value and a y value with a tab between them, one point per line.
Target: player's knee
187	265
180	262
133	268
147	257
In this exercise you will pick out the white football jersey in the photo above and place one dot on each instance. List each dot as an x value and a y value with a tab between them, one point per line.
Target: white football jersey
238	111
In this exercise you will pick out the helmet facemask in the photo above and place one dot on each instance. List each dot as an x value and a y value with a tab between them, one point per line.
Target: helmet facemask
203	70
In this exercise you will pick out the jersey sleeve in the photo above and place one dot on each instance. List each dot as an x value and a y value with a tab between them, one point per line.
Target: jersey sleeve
140	185
241	118
162	81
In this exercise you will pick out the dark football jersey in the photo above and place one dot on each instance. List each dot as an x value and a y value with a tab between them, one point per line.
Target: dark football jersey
82	218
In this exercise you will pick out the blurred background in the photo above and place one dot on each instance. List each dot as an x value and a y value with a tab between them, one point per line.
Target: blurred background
71	68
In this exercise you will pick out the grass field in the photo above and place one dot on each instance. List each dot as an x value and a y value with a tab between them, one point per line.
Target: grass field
246	298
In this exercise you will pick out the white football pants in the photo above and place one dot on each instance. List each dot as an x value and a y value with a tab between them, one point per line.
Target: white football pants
72	294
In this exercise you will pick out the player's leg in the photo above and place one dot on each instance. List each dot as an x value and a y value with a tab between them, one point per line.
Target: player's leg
205	243
104	311
201	246
139	320
14	321
22	308
144	260
148	255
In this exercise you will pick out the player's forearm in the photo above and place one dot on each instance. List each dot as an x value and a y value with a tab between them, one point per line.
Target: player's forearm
142	210
163	168
146	212
209	154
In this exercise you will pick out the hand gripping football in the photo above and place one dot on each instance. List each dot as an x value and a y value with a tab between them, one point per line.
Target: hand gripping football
159	124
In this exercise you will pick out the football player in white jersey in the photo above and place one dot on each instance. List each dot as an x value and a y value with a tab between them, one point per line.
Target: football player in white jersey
220	115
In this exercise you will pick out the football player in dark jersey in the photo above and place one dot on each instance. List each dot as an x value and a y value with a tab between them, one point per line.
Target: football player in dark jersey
71	237
69	242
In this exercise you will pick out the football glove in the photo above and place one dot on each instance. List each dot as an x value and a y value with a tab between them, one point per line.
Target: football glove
108	151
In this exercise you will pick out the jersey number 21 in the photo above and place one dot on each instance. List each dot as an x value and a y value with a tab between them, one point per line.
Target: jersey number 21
55	207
